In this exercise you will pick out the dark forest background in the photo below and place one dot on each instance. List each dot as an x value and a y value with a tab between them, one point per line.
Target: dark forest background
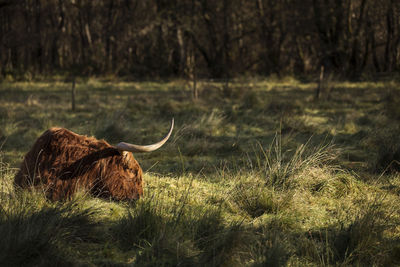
199	38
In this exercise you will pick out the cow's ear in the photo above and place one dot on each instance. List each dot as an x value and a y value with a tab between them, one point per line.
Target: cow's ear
125	155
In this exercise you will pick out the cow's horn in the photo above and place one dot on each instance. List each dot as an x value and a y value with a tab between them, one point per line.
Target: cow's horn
148	148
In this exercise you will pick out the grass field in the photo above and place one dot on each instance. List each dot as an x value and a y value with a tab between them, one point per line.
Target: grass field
256	173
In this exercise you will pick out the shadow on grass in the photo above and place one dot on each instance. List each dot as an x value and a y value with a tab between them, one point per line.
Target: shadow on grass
361	241
34	233
178	235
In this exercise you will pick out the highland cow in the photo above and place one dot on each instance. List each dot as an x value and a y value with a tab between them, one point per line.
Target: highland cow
62	162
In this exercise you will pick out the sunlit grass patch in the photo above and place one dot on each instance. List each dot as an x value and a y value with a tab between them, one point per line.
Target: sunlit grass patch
281	166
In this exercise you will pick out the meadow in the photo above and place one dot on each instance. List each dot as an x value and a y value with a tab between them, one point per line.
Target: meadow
256	173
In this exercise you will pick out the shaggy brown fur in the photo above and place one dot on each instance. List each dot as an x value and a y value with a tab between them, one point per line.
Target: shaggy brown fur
63	162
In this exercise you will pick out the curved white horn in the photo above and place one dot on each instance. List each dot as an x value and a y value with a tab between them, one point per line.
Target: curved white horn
148	148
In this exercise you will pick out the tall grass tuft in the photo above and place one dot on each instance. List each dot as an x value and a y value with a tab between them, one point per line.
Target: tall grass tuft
209	124
142	223
6	176
280	167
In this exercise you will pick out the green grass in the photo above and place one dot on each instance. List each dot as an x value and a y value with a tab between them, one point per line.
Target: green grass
257	173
